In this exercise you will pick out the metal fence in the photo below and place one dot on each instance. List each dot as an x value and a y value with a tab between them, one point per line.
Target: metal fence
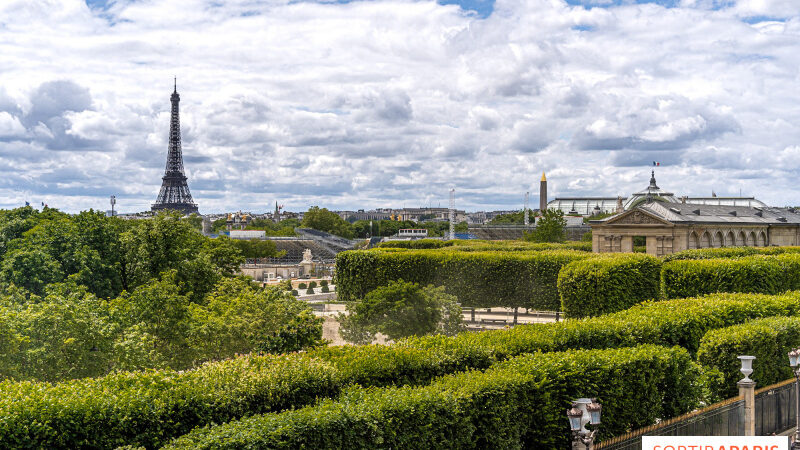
775	408
721	419
774	413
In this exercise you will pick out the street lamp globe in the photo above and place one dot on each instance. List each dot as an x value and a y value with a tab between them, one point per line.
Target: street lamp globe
793	356
575	415
594	409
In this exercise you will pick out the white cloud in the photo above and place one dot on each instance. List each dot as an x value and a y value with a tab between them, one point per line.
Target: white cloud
391	103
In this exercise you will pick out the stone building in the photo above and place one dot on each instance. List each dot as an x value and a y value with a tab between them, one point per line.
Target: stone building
669	227
592	206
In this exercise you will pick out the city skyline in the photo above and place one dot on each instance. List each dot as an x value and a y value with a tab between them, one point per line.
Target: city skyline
351	105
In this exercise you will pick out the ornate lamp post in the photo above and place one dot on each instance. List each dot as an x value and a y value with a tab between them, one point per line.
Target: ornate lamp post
584	412
794	361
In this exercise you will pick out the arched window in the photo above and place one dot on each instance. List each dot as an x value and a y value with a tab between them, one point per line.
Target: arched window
705	240
693	240
730	240
718	239
751	239
762	239
741	240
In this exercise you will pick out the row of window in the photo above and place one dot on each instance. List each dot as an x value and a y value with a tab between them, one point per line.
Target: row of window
729	239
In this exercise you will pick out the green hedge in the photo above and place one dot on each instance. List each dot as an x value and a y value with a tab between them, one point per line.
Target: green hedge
518	403
416	244
769	340
729	252
149	408
473	245
479	245
478	279
609	283
766	274
416	360
681	322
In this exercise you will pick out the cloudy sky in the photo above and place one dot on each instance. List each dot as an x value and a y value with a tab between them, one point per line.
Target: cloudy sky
368	104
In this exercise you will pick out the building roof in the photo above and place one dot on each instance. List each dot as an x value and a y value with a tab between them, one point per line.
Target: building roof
651	191
687	214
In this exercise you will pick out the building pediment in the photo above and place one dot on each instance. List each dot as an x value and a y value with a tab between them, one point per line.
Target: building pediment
637	217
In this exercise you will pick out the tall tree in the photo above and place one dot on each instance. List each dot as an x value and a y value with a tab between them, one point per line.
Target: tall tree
549	227
328	221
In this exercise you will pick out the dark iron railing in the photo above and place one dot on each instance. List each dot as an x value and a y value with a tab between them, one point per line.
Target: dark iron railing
725	418
775	408
774	411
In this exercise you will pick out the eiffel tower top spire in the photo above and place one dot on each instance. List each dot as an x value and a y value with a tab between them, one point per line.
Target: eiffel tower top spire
174	192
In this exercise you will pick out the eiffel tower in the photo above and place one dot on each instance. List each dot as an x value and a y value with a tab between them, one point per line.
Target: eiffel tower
174	194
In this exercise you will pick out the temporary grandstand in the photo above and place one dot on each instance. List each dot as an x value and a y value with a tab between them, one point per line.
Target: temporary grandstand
324	247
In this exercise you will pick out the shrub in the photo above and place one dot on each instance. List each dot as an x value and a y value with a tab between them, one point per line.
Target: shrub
730	252
301	286
312	284
399	310
769	340
478	279
325	289
475	245
680	322
757	274
518	403
310	291
416	244
304	331
323	283
595	286
149	408
711	253
295	293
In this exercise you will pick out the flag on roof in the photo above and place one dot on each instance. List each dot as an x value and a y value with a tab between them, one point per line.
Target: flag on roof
656	163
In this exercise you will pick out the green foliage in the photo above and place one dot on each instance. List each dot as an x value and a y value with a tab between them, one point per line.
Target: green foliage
769	340
325	289
768	274
511	218
608	283
67	334
135	406
324	220
312	284
283	228
476	278
302	286
549	227
257	248
473	245
295	293
149	408
730	252
518	403
399	310
680	322
416	244
157	316
30	269
586	237
239	318
711	253
323	283
304	331
195	220
70	333
310	290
